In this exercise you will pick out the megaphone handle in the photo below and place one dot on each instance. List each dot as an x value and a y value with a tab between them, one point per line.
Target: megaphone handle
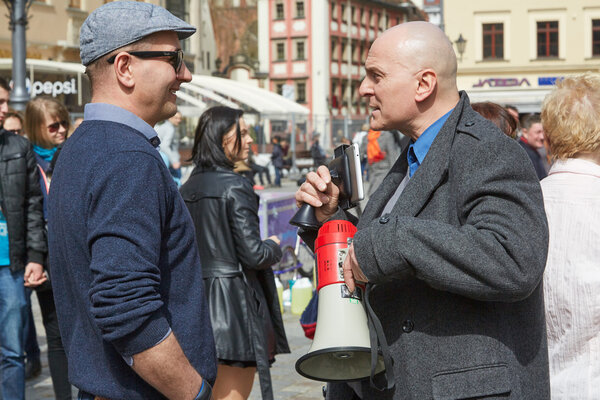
377	338
305	218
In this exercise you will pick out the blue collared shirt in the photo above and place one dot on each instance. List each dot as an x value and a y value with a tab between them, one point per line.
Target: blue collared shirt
418	150
112	113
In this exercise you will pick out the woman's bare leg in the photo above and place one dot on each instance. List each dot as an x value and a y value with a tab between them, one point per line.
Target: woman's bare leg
233	383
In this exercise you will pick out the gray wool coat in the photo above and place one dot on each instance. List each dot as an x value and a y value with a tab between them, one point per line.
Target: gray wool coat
457	269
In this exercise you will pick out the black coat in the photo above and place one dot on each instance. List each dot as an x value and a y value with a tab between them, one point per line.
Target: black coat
21	201
236	265
536	159
277	156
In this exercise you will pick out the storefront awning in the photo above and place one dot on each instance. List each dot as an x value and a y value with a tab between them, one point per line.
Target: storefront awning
196	95
526	100
226	91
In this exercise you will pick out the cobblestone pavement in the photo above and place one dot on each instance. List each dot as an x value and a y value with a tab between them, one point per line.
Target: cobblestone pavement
287	383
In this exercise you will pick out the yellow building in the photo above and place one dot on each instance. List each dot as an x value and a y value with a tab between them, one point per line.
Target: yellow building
513	50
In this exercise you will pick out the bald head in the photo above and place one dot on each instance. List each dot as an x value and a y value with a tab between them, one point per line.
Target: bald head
410	78
421	45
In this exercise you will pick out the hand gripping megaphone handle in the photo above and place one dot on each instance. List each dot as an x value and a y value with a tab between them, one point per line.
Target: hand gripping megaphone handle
378	341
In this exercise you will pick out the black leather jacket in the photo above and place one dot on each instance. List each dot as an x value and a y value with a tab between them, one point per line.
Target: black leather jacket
21	201
236	266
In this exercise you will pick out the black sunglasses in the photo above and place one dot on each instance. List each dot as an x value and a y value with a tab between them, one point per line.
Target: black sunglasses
15	131
175	57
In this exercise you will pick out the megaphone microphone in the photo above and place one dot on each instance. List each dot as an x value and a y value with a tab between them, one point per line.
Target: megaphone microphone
346	175
341	349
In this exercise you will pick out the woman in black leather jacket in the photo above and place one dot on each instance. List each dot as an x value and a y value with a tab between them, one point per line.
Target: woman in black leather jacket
236	263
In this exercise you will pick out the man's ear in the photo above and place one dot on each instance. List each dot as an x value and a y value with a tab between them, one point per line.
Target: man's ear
122	68
427	85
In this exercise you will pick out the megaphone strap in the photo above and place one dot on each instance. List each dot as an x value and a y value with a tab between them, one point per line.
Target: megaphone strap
378	341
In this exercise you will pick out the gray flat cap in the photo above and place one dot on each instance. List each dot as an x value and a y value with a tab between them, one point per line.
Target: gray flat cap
119	23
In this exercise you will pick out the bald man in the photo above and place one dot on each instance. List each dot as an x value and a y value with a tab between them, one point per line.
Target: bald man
453	243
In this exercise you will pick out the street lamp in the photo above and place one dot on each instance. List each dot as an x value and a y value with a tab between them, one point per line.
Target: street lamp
18	22
460	43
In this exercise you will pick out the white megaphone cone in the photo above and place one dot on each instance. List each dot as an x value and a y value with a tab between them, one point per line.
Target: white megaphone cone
341	349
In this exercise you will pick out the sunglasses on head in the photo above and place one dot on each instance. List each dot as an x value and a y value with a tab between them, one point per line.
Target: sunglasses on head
52	128
175	57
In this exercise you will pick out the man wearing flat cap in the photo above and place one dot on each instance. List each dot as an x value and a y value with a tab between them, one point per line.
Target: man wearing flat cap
125	266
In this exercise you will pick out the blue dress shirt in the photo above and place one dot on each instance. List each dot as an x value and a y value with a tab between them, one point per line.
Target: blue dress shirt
418	150
112	113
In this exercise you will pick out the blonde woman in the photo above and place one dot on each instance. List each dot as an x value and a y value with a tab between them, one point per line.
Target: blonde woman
46	125
570	115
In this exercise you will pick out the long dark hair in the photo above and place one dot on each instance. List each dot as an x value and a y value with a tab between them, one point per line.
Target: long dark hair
213	124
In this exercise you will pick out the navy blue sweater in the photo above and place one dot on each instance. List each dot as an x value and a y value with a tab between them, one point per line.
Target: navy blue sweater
124	260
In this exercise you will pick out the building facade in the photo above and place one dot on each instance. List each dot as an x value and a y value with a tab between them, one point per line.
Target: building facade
314	53
514	50
434	10
53	34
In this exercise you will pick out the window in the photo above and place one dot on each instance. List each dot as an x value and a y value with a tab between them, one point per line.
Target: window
279	88
334	55
334	95
280	51
333	11
279	11
299	9
493	41
301	93
596	37
343	12
299	50
547	39
180	9
356	51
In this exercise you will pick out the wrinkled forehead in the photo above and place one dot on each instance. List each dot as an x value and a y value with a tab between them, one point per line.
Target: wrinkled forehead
388	55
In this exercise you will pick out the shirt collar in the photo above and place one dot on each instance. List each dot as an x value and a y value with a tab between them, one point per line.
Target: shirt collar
112	113
418	149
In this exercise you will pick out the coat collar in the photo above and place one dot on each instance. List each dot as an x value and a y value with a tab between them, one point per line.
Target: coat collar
432	172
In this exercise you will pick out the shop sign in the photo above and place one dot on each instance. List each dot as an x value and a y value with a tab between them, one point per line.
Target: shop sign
547	80
52	88
501	82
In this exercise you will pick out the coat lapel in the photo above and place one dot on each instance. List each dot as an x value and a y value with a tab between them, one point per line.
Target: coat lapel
431	173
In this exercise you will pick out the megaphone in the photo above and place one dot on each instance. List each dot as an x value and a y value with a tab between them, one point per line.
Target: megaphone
341	348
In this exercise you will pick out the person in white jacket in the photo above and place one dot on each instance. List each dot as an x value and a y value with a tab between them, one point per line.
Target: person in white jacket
570	115
169	143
